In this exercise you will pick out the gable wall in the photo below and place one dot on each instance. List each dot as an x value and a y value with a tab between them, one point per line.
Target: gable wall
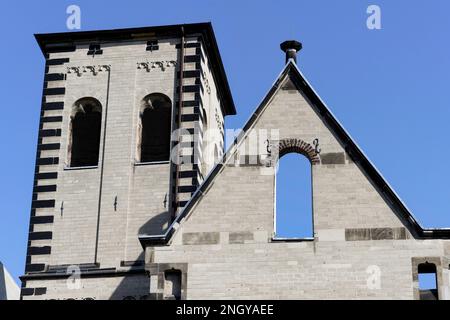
342	195
242	198
226	239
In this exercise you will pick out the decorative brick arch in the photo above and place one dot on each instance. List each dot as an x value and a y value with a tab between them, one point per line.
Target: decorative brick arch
286	146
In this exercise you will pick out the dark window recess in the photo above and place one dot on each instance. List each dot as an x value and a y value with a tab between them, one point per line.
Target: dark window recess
152	45
428	287
85	130
94	49
172	285
155	122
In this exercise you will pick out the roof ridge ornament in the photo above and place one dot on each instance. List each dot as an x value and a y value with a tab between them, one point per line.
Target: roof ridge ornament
291	47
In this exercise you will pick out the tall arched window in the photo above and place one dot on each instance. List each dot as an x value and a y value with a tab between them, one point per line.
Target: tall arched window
154	128
85	130
293	197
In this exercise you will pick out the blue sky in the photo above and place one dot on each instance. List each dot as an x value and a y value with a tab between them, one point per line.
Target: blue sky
294	197
388	87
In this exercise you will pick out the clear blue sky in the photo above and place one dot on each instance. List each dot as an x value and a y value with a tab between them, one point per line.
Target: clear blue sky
389	87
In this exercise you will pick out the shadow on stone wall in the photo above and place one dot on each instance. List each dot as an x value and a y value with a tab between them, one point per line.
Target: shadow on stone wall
136	284
156	225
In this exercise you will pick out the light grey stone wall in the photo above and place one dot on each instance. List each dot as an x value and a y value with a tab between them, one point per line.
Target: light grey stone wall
139	197
258	269
227	238
96	288
140	190
119	79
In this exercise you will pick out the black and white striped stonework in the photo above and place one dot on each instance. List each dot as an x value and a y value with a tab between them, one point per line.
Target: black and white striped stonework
188	175
42	210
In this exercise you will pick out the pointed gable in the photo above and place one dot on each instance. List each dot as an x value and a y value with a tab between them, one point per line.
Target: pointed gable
349	192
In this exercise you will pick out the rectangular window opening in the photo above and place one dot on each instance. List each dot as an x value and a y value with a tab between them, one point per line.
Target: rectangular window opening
172	285
428	284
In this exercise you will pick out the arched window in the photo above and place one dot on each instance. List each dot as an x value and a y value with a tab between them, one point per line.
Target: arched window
85	130
154	128
293	218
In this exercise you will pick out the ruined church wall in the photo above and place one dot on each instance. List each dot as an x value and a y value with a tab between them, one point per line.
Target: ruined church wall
226	240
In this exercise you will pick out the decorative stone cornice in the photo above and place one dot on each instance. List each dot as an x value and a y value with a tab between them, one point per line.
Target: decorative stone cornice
95	69
162	65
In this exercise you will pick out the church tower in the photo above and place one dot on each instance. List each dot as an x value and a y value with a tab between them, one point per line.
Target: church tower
131	123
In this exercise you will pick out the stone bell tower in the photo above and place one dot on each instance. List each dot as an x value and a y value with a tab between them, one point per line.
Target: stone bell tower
108	157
